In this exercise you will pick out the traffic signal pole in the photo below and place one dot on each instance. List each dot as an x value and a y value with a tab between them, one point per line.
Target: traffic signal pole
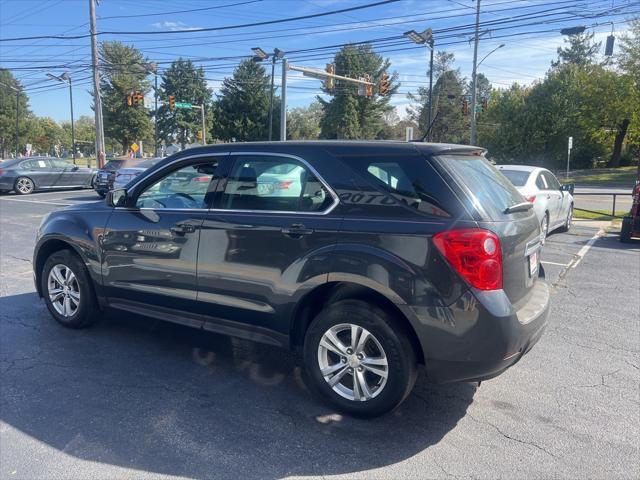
283	103
474	86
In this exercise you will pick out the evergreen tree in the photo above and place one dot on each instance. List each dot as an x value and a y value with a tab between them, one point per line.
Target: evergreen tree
242	109
581	50
348	115
186	84
8	114
126	70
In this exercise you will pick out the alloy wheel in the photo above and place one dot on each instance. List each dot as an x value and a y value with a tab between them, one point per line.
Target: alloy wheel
353	362
63	290
569	217
24	186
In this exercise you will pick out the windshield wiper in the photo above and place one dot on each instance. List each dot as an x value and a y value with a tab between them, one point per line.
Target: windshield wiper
519	207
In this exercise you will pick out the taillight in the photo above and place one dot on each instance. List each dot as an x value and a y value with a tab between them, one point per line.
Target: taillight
531	199
475	254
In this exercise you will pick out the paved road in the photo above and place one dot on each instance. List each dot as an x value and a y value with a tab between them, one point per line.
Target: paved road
134	398
603	202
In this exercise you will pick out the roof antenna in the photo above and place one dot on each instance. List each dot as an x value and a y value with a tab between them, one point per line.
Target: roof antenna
428	132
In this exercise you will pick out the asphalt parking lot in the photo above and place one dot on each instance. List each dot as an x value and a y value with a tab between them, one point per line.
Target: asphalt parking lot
140	399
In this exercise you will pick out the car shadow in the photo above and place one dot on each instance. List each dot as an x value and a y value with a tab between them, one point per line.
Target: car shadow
158	397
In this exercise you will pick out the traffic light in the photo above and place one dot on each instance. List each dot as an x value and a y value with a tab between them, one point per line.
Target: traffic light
485	105
383	86
138	98
129	100
465	107
172	102
330	82
368	88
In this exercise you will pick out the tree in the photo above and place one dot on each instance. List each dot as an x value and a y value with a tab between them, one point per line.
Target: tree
347	114
303	123
449	123
242	109
629	56
126	71
8	113
581	50
186	84
45	134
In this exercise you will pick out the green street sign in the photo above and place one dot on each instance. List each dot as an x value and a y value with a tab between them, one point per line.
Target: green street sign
183	105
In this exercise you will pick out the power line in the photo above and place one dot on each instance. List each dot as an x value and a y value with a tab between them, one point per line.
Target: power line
180	11
208	29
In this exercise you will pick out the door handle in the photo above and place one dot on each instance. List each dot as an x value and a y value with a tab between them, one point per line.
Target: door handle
296	230
181	229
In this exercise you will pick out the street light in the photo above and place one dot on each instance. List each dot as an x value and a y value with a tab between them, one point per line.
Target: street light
17	90
474	89
425	38
259	56
66	78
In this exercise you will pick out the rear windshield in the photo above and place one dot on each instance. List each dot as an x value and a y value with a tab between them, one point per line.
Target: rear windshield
517	177
113	165
490	191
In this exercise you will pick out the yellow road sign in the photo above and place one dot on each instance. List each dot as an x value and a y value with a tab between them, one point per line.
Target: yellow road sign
134	147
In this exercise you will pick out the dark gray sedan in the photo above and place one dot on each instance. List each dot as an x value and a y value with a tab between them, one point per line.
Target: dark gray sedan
25	175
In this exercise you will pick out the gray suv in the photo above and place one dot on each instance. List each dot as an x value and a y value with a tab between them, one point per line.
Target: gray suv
369	258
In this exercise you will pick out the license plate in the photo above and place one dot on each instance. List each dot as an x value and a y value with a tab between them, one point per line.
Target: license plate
533	263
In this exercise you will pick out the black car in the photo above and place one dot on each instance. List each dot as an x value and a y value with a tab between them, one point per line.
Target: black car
26	175
106	175
373	259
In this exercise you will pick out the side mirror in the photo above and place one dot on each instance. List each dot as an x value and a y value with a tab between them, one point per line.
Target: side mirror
116	198
568	188
74	168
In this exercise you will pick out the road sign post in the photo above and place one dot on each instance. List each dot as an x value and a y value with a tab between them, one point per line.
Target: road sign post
569	147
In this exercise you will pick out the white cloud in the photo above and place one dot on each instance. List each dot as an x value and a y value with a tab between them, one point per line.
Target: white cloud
173	26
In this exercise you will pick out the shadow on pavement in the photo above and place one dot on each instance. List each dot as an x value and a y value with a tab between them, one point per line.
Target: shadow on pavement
153	396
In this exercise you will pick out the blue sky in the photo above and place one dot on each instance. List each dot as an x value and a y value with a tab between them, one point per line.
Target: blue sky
525	57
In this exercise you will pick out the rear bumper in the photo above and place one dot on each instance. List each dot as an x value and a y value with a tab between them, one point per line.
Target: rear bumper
484	335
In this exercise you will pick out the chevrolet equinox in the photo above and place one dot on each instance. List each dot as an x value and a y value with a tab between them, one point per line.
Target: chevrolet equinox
369	258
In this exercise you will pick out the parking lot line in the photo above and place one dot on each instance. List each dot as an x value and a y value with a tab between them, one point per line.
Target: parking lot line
583	251
36	201
554	263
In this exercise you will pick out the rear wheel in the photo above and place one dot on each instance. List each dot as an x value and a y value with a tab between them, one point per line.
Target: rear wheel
359	359
24	186
544	227
625	231
66	287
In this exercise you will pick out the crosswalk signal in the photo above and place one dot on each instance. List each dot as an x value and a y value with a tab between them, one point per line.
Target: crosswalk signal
465	107
383	87
172	102
330	82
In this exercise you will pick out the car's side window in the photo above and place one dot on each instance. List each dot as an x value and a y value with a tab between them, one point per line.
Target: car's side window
56	163
541	182
273	183
34	165
552	181
184	188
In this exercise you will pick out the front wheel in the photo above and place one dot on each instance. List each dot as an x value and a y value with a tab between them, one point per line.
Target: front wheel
66	287
569	220
544	227
358	358
24	186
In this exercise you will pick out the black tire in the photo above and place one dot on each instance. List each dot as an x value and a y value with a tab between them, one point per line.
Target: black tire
101	194
568	221
389	333
86	312
625	231
24	186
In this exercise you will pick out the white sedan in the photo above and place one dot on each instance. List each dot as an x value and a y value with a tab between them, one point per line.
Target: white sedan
552	202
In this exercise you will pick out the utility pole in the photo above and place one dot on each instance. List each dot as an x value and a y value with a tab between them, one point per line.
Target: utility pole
474	86
155	112
97	101
430	89
66	78
425	38
283	106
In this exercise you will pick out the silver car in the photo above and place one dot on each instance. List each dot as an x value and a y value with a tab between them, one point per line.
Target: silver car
552	202
130	171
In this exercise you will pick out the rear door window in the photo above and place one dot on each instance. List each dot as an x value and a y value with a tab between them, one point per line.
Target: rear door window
541	183
35	164
489	191
551	180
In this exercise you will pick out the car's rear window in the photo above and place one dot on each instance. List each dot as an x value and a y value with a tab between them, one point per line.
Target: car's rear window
490	191
517	177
